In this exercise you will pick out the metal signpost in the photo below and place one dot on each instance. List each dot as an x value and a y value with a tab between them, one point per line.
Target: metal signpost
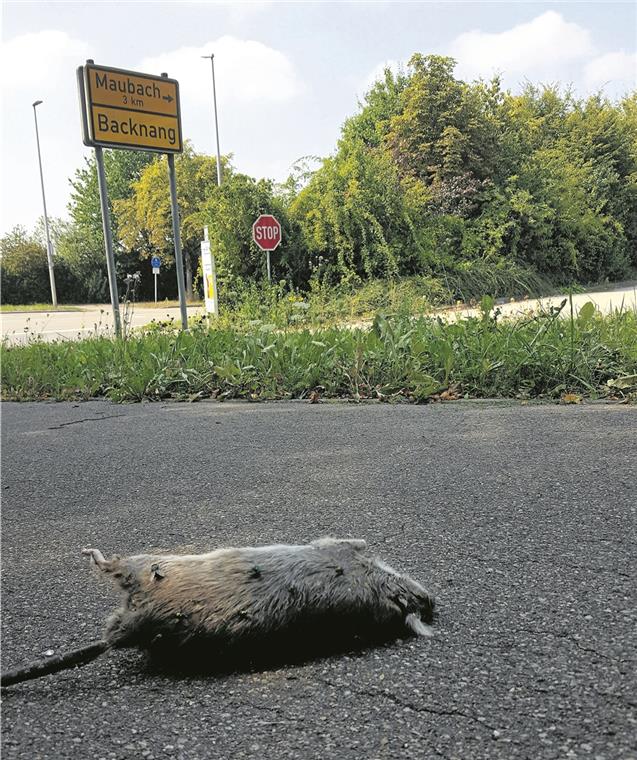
49	247
209	276
266	233
133	111
214	102
155	263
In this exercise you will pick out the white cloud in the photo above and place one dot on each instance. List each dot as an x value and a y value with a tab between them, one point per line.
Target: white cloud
245	71
535	49
615	72
39	66
40	60
258	89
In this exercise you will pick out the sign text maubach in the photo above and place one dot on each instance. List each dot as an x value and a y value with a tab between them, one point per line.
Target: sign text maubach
126	109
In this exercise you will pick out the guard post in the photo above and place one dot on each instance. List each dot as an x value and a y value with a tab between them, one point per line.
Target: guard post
209	270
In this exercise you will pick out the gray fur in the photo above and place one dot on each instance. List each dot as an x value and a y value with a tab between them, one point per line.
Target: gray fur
237	596
234	607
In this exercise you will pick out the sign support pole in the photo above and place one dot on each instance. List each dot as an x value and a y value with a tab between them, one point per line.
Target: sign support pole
269	273
179	261
155	287
108	239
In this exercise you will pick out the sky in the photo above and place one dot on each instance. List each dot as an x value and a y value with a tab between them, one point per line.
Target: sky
287	73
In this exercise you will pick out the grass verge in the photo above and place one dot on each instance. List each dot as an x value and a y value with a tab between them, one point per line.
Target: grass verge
398	358
47	307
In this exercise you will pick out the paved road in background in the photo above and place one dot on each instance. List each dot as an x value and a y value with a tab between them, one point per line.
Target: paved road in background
623	296
521	518
18	327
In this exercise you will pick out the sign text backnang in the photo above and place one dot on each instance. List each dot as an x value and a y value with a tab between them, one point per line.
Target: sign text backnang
126	109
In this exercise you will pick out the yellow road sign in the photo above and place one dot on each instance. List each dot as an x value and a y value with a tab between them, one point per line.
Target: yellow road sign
126	109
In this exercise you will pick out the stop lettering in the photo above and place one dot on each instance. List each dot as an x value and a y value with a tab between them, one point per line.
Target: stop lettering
266	232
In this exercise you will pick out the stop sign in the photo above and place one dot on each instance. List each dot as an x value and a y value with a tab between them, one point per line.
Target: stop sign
266	232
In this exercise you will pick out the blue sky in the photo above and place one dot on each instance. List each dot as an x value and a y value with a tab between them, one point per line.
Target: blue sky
288	74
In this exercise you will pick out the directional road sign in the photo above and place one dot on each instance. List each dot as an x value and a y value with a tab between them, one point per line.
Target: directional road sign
155	262
126	109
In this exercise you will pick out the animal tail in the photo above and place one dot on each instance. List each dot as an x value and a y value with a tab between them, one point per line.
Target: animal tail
80	656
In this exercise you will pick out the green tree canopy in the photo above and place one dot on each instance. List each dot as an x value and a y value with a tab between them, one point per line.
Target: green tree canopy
229	213
24	269
434	172
81	244
145	216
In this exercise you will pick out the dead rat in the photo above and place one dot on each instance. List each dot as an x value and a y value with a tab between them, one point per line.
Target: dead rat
242	603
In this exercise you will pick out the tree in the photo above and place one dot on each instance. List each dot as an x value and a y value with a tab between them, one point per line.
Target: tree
145	216
435	174
24	270
229	213
81	243
356	216
381	103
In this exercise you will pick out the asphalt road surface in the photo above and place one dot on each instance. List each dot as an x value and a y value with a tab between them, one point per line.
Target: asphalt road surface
22	326
520	518
622	297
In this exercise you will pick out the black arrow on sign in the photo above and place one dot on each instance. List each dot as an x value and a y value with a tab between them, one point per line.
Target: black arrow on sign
169	98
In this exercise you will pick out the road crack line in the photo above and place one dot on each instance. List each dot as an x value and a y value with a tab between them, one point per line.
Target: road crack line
563	635
85	419
415	708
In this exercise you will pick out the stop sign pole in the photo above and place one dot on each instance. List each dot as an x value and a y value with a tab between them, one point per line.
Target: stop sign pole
266	233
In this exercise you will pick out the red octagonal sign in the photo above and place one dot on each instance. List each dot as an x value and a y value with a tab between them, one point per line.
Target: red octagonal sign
266	232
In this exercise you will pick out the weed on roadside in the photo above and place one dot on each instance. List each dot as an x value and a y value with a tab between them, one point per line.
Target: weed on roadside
399	358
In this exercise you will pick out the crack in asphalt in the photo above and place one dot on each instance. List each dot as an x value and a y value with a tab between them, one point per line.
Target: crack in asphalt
387	694
279	711
564	635
85	419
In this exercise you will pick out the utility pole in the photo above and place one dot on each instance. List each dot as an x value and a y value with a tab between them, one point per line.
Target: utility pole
49	248
214	101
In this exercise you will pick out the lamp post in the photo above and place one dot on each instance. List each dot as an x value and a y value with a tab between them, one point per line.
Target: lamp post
49	249
214	100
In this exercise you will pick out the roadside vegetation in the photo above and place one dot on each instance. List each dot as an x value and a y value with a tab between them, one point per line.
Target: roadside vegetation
438	191
464	186
551	355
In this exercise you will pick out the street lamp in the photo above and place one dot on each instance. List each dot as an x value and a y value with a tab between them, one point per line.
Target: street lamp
214	100
49	249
